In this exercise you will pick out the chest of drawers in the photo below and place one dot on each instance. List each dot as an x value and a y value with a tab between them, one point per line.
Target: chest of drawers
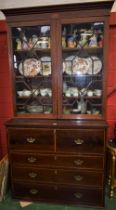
55	163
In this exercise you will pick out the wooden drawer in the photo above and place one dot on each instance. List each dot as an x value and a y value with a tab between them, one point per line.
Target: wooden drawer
42	139
81	141
43	175
57	160
57	193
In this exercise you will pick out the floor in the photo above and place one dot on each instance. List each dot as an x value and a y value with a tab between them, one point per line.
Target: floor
10	204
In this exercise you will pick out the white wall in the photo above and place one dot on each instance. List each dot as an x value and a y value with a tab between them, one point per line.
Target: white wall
114	7
2	17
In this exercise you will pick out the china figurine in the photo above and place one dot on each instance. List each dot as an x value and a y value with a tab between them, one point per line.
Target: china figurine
24	41
83	42
82	105
71	42
35	41
19	45
30	44
93	41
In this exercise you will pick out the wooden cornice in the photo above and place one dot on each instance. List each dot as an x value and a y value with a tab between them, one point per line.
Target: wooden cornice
58	8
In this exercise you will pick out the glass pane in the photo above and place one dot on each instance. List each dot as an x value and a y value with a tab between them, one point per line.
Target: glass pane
82	53
32	68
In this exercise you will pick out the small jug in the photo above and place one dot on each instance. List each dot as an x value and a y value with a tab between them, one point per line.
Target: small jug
82	105
71	42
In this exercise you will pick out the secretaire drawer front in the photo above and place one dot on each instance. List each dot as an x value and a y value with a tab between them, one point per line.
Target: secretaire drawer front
33	191
31	138
31	159
43	175
56	160
64	194
85	141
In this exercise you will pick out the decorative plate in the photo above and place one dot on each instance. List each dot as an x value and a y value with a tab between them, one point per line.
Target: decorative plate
30	67
80	65
67	64
95	65
46	65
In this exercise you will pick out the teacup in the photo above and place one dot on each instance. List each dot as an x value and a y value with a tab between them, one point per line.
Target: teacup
49	91
26	92
90	93
20	93
43	92
68	94
97	92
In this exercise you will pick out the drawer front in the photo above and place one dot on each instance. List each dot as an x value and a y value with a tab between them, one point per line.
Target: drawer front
57	193
43	175
81	141
61	161
42	139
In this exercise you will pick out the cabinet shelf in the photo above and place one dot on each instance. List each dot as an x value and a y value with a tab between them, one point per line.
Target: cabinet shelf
34	97
91	50
32	50
85	97
18	77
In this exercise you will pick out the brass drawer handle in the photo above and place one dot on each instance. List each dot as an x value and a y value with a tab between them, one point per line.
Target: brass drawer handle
78	162
33	191
78	195
32	159
55	157
32	175
31	140
78	141
55	188
55	172
78	178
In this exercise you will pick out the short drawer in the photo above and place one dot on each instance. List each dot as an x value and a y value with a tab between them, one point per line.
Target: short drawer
57	193
58	161
81	141
42	139
72	177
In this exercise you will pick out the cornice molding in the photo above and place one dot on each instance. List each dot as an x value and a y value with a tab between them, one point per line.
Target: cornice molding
59	8
5	4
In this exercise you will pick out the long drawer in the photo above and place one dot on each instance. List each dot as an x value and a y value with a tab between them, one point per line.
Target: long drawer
81	141
43	175
41	139
57	193
57	160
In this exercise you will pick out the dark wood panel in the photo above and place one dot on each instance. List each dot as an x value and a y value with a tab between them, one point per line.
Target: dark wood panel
47	123
32	138
82	141
43	175
57	160
57	193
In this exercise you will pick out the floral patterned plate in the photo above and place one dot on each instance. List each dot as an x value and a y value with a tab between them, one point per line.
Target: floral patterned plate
95	65
30	67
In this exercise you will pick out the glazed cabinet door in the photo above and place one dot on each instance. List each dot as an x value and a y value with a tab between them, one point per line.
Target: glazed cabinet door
83	68
59	66
33	69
